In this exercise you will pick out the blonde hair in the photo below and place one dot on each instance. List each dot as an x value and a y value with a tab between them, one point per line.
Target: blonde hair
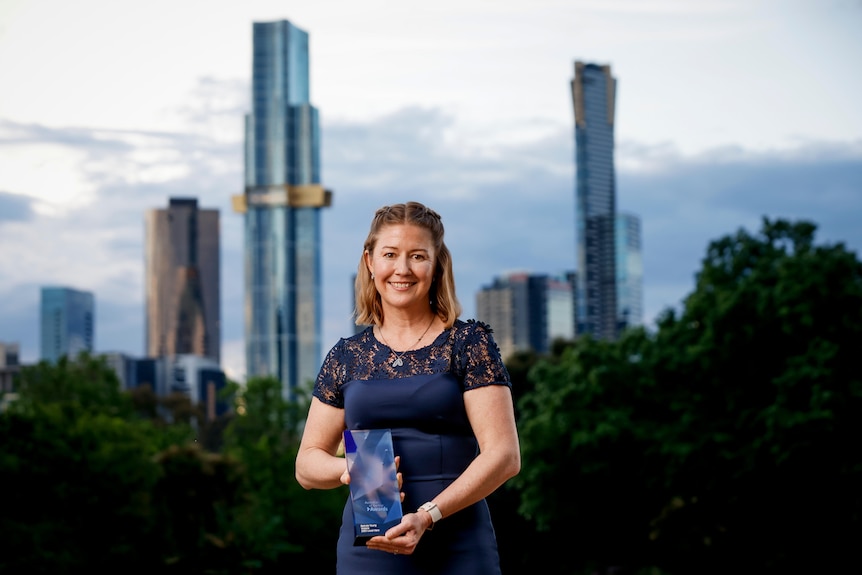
444	302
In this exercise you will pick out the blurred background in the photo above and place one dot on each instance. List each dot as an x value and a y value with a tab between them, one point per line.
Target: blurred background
725	112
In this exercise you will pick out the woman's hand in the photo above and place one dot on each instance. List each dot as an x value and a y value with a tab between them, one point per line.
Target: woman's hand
399	476
401	539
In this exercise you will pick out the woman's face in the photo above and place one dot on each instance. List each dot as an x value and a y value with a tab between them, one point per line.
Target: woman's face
403	266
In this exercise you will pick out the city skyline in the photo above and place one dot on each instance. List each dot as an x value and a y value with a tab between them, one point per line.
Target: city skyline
728	112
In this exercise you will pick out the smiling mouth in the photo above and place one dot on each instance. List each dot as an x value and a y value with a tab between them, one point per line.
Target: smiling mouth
400	285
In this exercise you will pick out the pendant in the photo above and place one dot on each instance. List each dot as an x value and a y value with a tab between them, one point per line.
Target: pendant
397	362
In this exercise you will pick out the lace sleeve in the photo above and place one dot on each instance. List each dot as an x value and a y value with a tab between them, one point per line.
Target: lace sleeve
479	358
327	388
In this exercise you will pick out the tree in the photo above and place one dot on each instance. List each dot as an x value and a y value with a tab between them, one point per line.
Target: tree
197	499
82	384
765	394
284	525
582	481
77	492
726	439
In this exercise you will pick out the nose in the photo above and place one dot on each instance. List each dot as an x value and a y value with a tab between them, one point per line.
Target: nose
402	265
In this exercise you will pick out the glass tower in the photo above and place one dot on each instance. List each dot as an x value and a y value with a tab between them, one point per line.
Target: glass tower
182	280
67	322
282	205
594	95
629	271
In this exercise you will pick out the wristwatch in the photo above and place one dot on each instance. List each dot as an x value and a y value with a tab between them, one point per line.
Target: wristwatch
433	511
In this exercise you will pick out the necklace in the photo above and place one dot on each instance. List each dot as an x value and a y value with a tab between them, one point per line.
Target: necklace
398	362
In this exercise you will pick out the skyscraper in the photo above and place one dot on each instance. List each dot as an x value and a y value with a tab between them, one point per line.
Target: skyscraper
527	311
629	271
282	205
594	98
183	295
9	368
67	322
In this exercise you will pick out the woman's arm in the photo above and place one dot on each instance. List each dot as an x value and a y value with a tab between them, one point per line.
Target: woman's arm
317	465
491	414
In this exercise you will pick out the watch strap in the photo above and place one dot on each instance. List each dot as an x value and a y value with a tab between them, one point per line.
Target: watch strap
431	508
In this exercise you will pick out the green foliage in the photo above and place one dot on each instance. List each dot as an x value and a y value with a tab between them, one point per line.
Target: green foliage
84	384
727	437
765	396
78	492
584	482
197	498
284	524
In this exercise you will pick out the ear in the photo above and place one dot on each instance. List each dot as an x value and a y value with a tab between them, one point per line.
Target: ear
368	265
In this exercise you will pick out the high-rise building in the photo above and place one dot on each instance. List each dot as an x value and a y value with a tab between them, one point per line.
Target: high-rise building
629	271
282	205
201	379
594	98
67	323
527	311
9	366
560	304
182	277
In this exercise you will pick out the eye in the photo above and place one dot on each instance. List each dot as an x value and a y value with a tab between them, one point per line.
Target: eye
388	255
418	257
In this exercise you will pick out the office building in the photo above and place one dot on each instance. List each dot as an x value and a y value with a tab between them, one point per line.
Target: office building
9	366
182	279
594	98
282	204
67	319
629	270
527	311
199	378
560	303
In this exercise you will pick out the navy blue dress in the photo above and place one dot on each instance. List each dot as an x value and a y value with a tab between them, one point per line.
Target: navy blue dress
422	403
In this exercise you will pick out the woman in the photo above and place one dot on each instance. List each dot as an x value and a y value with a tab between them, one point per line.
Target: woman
438	383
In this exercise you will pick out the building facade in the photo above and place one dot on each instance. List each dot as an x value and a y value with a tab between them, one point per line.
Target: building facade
629	269
199	378
282	204
594	98
10	366
67	320
528	311
182	278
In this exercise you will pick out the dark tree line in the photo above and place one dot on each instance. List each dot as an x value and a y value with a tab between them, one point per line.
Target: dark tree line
724	440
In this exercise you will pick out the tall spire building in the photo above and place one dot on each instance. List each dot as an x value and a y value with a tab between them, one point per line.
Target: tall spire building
594	98
282	205
610	264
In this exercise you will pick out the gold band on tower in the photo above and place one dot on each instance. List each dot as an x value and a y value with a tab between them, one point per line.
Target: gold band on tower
299	196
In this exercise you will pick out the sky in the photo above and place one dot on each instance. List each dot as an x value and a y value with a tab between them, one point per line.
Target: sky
728	112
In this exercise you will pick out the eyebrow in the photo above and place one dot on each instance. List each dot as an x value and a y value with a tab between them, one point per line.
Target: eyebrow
423	250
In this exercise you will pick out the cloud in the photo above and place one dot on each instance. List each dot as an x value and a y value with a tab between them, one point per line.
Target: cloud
87	227
506	205
15	207
512	206
687	202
